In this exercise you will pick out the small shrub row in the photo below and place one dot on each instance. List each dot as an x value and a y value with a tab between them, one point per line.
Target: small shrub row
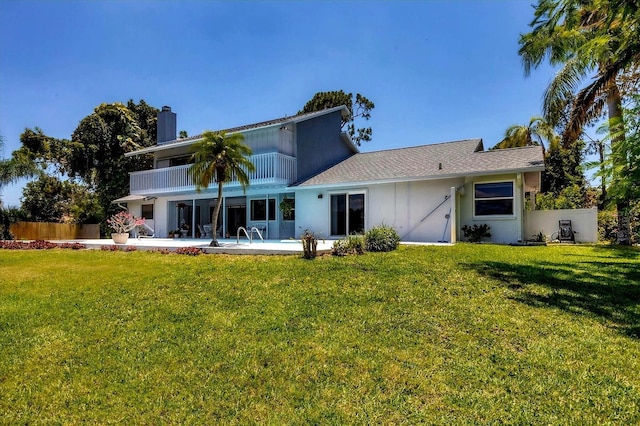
72	246
381	238
159	250
114	247
189	251
353	244
27	245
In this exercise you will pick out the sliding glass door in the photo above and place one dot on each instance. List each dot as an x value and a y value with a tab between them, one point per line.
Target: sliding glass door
347	214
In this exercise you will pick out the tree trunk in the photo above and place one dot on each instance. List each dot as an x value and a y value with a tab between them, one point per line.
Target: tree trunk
214	219
616	126
603	184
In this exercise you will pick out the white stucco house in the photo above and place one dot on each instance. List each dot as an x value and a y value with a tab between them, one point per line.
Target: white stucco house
427	193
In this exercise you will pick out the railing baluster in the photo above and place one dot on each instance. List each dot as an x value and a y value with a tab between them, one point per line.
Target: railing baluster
269	168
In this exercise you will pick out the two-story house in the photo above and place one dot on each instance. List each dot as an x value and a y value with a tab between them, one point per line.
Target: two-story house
286	151
309	175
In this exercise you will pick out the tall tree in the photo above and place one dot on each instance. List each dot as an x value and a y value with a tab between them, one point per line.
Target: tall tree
537	132
20	165
98	144
94	155
563	165
595	39
220	157
360	107
622	165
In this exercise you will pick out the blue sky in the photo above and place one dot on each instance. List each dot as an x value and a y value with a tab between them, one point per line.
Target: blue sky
436	70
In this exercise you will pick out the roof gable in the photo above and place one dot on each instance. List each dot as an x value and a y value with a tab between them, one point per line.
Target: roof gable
268	123
177	143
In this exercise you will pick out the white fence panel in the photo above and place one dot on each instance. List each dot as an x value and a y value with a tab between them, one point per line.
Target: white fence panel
583	221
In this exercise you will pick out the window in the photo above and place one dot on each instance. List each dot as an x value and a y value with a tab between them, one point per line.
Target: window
259	209
147	211
493	199
180	161
347	214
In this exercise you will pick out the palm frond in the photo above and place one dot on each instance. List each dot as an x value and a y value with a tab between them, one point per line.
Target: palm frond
220	157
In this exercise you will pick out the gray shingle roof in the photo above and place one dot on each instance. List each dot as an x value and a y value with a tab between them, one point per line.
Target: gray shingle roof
449	159
286	119
177	143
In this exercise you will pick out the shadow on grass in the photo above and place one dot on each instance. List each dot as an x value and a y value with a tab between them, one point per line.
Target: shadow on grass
606	287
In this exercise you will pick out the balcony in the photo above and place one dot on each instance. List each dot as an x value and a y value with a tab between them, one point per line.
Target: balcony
271	169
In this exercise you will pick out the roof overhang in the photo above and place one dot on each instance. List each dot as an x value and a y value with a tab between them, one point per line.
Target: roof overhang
344	111
415	178
130	198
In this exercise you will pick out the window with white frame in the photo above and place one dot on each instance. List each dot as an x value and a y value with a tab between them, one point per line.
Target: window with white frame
493	199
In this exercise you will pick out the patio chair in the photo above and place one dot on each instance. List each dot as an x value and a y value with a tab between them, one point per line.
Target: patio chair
203	234
566	232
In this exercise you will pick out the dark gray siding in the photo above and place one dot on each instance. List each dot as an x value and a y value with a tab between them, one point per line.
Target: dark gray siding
320	145
166	125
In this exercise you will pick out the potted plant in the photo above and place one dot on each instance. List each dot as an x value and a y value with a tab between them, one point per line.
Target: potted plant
121	223
184	230
286	206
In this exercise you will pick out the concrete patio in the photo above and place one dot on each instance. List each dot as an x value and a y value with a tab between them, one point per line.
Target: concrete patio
227	246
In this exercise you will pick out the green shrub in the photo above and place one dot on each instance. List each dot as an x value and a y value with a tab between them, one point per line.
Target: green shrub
340	248
381	238
571	197
476	233
353	244
607	226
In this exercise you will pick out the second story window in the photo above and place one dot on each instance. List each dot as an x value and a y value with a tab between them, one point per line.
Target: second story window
180	161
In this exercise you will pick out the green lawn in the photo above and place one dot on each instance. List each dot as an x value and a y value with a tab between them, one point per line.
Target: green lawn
464	334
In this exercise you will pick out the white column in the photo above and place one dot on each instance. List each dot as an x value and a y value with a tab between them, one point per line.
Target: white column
193	218
266	225
519	204
453	216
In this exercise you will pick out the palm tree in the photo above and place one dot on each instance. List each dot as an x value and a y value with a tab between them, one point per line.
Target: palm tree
220	157
18	166
595	39
535	133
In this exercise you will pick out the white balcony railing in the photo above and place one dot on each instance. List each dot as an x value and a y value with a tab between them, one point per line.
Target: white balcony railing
273	168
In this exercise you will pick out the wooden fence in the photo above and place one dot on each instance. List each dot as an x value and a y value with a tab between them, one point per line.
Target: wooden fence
53	231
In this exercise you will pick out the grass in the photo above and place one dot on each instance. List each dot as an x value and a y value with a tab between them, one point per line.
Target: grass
466	334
